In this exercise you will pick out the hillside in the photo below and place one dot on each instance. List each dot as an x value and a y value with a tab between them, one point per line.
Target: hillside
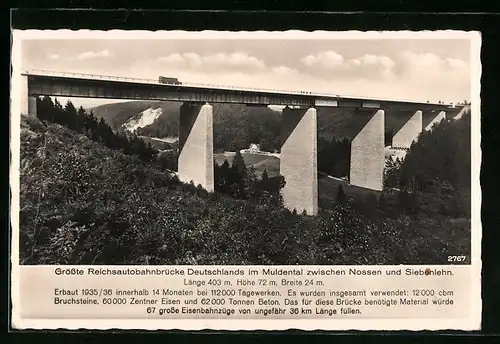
235	125
439	165
83	203
339	123
117	114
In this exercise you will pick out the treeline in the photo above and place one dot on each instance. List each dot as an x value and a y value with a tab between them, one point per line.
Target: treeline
440	156
238	181
437	166
334	157
97	130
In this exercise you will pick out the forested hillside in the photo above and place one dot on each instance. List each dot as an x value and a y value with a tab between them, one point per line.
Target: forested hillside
85	199
438	167
235	125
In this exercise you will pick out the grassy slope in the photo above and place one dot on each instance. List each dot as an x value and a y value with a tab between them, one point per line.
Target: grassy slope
160	145
271	164
82	203
258	161
328	187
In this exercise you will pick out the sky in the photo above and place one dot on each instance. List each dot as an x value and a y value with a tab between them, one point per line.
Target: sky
409	69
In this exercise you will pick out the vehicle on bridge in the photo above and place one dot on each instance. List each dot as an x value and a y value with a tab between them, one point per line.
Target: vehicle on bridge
169	81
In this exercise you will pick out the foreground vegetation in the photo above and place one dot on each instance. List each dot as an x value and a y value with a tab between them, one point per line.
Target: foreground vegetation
84	203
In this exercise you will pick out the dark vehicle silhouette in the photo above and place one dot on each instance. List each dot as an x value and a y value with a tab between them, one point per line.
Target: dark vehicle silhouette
169	81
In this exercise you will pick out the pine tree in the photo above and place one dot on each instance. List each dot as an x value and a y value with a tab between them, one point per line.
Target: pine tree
58	113
238	174
70	108
340	197
70	115
225	177
239	164
81	115
264	176
250	182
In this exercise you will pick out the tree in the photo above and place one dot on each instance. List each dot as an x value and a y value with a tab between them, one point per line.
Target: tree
391	172
264	177
45	108
222	177
70	108
334	157
340	197
80	119
239	164
250	182
409	201
266	143
58	113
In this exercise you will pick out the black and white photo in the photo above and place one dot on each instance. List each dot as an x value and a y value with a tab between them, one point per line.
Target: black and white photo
245	180
251	151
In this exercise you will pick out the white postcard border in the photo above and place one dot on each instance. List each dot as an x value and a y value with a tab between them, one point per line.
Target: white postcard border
266	324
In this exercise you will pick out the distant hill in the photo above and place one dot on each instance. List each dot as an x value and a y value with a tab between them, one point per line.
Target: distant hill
237	125
336	122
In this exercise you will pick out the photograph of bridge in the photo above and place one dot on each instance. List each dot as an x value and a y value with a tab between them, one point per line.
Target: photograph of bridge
196	151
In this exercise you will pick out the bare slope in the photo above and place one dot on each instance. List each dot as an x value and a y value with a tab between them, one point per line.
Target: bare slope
117	114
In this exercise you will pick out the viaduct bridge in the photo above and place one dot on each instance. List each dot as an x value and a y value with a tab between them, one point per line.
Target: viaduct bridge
298	161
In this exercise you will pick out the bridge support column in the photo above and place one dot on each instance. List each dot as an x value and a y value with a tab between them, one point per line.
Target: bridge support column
28	104
409	132
367	154
298	160
196	162
32	106
441	115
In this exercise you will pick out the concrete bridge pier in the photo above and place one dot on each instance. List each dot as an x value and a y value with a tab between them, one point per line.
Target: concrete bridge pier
196	145
440	116
367	154
409	132
298	159
28	104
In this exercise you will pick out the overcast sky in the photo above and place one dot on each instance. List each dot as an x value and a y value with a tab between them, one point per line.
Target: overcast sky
417	69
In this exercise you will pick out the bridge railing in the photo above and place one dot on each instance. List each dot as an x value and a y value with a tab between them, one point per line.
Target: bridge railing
204	85
89	76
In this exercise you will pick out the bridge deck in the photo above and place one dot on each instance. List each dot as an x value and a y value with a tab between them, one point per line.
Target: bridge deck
103	86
